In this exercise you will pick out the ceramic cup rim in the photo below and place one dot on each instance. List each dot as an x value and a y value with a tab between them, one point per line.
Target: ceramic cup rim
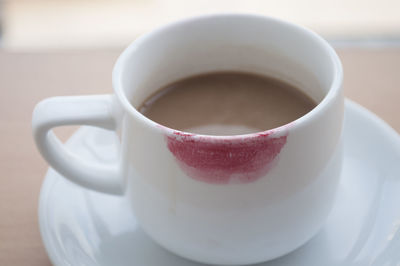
333	91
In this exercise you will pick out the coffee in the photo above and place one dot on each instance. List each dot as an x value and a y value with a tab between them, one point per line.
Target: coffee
226	103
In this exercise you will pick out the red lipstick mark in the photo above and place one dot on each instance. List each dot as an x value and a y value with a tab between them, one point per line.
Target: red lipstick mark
226	160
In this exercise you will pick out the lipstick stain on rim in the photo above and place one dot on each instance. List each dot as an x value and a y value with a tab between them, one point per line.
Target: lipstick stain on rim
229	159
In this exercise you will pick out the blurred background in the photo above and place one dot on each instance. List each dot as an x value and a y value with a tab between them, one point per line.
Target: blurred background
61	24
68	47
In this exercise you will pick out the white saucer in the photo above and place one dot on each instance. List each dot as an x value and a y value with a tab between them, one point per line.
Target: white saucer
80	227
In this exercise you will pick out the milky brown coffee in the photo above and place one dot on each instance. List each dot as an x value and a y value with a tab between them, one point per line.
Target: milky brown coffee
226	103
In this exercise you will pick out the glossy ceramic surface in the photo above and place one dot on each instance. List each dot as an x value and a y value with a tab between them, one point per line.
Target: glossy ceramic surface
228	200
82	227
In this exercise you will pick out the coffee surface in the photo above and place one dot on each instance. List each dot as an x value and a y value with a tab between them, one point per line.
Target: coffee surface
226	103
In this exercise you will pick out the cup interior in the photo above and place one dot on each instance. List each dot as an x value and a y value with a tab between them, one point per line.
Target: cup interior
246	43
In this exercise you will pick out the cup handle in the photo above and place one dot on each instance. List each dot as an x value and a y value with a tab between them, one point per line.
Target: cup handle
96	110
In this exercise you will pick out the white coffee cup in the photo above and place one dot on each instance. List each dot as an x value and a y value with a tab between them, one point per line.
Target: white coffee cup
214	199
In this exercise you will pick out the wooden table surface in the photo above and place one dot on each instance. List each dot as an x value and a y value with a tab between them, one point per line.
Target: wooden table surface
372	78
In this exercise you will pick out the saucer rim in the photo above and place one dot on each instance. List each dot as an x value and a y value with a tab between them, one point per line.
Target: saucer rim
49	181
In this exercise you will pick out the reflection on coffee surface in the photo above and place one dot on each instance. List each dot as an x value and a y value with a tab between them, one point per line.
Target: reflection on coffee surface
226	103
